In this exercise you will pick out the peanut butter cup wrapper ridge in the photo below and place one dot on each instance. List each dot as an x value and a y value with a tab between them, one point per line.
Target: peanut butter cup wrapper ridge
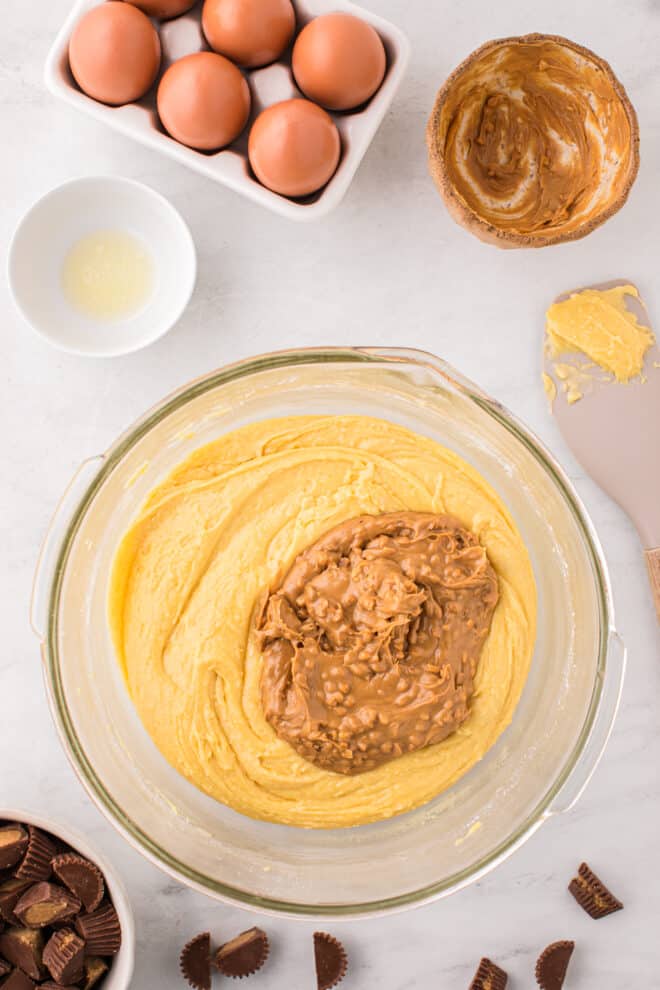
195	961
330	959
37	862
100	930
82	877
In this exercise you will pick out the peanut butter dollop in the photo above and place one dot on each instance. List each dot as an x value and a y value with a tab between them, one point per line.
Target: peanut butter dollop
371	642
536	137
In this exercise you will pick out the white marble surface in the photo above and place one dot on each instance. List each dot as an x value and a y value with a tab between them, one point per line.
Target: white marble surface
389	267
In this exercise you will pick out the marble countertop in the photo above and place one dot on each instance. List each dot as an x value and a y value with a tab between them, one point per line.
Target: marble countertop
388	267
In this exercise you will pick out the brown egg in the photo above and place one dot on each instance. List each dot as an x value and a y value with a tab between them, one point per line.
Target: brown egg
114	53
164	9
338	61
294	147
203	101
249	32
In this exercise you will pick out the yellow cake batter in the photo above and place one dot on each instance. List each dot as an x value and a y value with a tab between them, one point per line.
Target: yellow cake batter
221	531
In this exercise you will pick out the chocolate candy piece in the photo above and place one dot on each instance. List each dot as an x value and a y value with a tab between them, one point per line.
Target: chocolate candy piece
23	947
50	985
100	930
4	968
46	904
195	961
592	895
13	843
10	893
18	981
64	956
95	968
552	964
83	879
489	976
330	959
36	863
243	955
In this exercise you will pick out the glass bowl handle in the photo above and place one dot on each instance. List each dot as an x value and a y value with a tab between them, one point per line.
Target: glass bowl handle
52	544
575	786
440	367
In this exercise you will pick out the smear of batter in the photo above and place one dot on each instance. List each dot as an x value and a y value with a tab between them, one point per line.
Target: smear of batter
597	323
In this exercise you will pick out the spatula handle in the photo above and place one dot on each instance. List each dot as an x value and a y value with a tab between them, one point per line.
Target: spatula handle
653	564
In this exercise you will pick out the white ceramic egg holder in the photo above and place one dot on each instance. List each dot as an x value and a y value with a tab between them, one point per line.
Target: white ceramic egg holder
269	85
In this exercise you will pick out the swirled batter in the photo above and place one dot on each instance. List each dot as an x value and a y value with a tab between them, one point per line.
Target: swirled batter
222	531
536	136
371	643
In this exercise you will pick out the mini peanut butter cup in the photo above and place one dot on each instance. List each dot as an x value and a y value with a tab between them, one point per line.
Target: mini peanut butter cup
13	843
195	961
592	895
18	980
36	863
95	969
10	893
489	976
46	904
330	959
552	964
243	955
23	948
100	930
82	878
64	956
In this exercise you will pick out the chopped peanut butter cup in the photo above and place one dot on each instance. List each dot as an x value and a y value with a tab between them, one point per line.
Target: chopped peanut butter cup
36	863
592	895
489	976
46	904
552	964
82	878
45	895
23	947
95	969
11	892
18	980
330	959
243	955
13	843
100	930
195	961
64	956
533	141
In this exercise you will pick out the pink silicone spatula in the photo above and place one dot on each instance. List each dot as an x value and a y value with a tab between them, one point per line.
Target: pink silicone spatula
614	432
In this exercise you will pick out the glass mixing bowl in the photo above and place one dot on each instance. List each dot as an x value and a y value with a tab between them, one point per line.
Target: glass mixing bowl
539	766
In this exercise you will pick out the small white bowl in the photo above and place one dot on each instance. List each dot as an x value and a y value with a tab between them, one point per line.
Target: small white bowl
74	210
120	972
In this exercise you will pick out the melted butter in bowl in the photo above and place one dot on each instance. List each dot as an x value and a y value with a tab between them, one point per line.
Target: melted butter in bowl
533	141
102	266
108	275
